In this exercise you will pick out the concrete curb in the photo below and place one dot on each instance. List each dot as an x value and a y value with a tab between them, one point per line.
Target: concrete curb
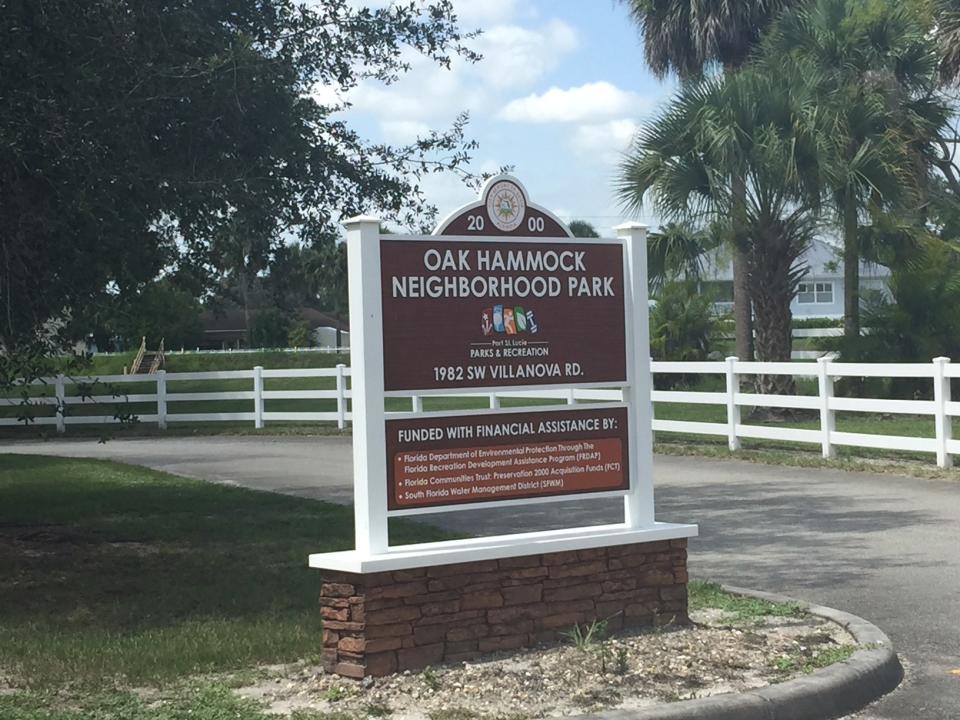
832	692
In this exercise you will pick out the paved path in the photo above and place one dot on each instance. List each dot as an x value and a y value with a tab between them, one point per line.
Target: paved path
884	547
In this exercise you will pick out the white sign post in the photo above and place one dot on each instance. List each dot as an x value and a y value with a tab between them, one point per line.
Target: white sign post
638	504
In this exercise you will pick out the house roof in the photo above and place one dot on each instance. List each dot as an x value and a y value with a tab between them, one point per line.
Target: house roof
824	258
230	320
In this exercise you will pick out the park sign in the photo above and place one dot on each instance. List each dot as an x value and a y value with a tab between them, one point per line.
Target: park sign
499	302
501	295
475	313
501	299
496	312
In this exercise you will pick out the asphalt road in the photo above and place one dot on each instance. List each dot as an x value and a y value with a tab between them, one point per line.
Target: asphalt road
884	547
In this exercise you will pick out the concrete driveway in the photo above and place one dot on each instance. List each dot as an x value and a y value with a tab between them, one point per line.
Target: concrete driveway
881	546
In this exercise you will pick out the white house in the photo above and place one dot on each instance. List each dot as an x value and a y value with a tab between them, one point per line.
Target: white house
820	294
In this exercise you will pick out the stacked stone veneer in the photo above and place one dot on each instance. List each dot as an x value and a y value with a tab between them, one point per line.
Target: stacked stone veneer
379	623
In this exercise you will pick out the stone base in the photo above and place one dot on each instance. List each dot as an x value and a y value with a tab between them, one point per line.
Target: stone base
380	623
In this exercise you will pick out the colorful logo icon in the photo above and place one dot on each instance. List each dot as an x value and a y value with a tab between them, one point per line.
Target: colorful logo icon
509	320
532	322
508	323
520	317
498	318
486	321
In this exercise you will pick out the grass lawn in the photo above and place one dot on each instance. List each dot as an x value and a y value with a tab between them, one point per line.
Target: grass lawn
114	576
130	594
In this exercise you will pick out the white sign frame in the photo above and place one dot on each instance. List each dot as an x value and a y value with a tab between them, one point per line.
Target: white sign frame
373	551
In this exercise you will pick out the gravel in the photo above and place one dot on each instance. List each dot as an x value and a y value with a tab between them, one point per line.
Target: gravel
714	655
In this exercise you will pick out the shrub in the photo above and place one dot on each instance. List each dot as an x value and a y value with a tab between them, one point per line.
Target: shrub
681	325
299	335
920	323
270	328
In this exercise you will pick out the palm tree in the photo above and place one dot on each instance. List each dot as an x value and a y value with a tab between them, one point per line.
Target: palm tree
752	125
680	252
946	22
686	37
583	229
876	72
948	37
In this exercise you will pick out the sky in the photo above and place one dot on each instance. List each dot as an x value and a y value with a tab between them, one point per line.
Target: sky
559	94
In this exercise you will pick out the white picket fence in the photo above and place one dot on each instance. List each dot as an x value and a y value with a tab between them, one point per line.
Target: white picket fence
825	372
166	401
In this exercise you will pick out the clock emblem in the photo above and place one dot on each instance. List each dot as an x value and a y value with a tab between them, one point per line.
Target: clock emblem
506	206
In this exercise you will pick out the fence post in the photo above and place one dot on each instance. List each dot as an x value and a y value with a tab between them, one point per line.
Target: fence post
733	410
494	401
653	405
828	418
341	397
60	394
571	397
417	403
162	399
943	422
258	397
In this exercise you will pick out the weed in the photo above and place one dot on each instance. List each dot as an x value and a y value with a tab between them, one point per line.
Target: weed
807	659
241	679
336	693
670	695
430	679
600	697
621	666
583	636
455	713
378	710
316	715
741	609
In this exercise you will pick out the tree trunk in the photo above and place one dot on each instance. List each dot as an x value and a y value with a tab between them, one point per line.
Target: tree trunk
851	269
772	290
742	310
245	296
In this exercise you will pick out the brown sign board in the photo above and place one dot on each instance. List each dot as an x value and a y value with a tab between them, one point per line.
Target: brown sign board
474	314
457	460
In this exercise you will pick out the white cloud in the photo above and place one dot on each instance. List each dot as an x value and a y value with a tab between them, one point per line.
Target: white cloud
481	13
426	92
593	101
514	56
604	141
327	95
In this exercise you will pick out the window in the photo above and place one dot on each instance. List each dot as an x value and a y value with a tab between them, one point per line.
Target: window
809	293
